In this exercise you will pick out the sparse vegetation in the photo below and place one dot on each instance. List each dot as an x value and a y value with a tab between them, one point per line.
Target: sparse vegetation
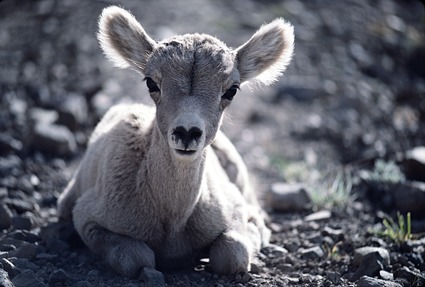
337	193
386	171
397	231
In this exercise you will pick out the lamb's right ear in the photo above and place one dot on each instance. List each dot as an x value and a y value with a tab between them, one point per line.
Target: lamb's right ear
123	40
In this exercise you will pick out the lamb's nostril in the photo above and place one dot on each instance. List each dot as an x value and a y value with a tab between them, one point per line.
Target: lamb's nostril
186	137
194	133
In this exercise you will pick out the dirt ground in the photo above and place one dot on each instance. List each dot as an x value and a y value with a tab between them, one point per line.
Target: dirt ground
354	95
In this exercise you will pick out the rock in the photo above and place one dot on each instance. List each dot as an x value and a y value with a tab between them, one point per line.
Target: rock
312	253
83	284
19	205
360	253
319	215
26	250
43	116
73	111
386	275
334	277
24	235
9	165
370	265
335	234
411	276
288	197
9	268
414	164
58	276
367	281
4	279
5	216
152	276
27	279
54	139
22	222
9	145
273	250
22	263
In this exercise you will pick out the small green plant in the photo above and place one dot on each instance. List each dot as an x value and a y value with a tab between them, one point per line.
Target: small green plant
338	193
399	231
386	171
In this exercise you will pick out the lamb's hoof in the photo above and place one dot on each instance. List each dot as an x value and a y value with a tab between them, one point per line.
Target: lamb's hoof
130	257
230	254
152	277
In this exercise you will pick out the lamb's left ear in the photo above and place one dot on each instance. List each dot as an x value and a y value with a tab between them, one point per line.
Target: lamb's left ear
268	52
123	40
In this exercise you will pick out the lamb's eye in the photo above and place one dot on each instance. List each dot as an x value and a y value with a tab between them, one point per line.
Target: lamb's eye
151	85
230	93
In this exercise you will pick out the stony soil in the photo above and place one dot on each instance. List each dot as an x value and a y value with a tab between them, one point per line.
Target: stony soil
354	95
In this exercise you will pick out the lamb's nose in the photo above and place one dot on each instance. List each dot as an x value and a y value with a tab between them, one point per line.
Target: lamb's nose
187	136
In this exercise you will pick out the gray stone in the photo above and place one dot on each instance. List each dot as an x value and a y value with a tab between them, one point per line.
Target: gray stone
414	164
335	234
370	265
410	275
9	268
27	279
273	250
312	253
152	276
360	253
288	197
409	197
58	276
26	250
73	111
22	263
386	275
5	216
9	164
334	277
22	222
24	235
367	281
54	139
319	215
4	279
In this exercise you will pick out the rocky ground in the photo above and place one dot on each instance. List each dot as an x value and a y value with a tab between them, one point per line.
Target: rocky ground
334	146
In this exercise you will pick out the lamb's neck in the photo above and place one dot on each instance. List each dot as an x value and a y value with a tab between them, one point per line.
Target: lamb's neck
175	185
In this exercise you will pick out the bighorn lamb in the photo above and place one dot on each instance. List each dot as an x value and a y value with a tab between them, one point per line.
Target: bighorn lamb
161	187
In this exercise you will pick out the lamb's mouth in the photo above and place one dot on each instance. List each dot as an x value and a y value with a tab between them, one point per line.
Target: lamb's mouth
185	152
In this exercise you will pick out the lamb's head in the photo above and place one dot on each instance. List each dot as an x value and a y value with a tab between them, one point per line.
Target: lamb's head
192	78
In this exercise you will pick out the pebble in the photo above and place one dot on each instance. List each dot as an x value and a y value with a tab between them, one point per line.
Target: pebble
285	197
24	235
9	268
319	215
312	253
5	216
58	276
414	164
27	279
22	222
360	253
370	265
410	275
152	276
386	275
54	139
4	279
26	250
273	250
335	234
367	281
73	112
334	277
22	263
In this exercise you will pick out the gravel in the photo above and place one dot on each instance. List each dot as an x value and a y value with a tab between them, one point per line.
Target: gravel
353	94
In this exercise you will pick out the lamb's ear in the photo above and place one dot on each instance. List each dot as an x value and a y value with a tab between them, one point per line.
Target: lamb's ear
268	52
123	40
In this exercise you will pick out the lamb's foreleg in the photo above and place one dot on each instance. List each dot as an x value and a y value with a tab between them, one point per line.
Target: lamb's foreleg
125	255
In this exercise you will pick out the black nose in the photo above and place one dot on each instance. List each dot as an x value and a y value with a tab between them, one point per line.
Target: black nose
180	133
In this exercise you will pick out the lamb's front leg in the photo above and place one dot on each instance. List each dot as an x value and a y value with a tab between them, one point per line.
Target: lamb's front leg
124	254
230	253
